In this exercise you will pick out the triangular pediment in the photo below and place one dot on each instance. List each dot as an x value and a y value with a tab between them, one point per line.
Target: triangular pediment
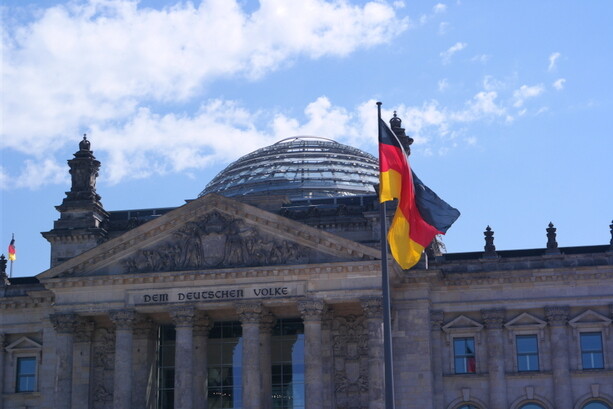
589	318
525	321
462	323
209	233
23	344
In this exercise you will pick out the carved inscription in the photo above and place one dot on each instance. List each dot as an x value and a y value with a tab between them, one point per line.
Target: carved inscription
194	294
216	241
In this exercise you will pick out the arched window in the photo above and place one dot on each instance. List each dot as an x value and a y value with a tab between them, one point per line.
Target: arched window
531	406
596	405
468	407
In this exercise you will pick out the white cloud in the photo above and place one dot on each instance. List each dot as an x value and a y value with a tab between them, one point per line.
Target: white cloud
559	84
526	92
439	8
94	63
446	55
443	28
553	59
481	58
443	84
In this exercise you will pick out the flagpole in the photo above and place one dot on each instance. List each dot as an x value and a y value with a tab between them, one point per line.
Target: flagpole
385	285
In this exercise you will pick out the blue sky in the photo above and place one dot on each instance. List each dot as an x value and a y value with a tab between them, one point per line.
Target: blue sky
510	103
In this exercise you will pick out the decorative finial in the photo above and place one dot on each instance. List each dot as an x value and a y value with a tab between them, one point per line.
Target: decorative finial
552	244
405	140
611	242
84	145
2	264
490	249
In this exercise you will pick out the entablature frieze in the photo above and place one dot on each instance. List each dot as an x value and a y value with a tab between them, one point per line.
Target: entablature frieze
313	272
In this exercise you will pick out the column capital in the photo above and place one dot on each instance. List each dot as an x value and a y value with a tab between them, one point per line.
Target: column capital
493	318
250	312
64	322
557	315
267	323
373	307
436	319
84	329
311	309
183	316
202	323
123	319
143	327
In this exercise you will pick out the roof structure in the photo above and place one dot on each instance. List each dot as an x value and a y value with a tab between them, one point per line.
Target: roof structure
300	168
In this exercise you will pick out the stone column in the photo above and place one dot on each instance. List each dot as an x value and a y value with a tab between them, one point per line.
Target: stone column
436	321
493	320
327	356
82	363
64	325
560	367
311	311
373	311
183	318
202	326
250	314
143	363
122	377
266	326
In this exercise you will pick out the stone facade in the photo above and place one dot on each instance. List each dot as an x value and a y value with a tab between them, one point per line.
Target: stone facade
493	330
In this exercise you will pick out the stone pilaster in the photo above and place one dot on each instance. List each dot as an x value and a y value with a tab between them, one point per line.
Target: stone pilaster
202	326
266	326
82	362
2	343
312	311
143	362
64	325
250	314
493	320
436	322
557	318
122	380
183	318
373	311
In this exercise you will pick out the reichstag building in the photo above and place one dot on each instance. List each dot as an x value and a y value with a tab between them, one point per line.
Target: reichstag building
265	292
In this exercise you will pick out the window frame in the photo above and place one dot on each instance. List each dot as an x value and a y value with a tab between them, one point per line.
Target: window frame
591	352
24	347
465	358
519	354
463	327
19	375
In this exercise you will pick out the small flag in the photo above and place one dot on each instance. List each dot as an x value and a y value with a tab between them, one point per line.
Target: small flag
12	254
420	215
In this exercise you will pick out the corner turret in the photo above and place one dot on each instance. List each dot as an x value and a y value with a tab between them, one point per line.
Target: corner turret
82	221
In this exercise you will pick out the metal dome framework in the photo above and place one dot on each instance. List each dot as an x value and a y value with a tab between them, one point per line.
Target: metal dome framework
300	168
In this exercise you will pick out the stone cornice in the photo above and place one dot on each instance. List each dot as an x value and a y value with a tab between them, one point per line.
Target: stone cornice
230	273
565	274
149	232
26	302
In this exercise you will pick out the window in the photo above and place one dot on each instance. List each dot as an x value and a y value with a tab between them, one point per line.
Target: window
225	352
166	367
531	406
596	405
468	407
591	350
288	364
26	374
527	353
464	355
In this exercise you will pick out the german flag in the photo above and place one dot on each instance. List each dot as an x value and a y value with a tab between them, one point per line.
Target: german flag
420	215
12	254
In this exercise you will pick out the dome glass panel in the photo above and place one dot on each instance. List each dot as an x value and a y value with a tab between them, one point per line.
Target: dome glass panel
300	168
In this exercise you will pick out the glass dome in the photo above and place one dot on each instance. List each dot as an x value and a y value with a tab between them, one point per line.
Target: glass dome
300	168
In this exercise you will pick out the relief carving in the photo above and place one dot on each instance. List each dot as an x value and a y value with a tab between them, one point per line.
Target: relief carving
350	348
216	241
103	371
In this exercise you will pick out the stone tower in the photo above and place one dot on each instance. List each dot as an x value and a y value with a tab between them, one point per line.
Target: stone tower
82	221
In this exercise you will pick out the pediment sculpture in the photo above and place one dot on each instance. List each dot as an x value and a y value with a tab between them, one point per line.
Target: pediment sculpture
216	241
